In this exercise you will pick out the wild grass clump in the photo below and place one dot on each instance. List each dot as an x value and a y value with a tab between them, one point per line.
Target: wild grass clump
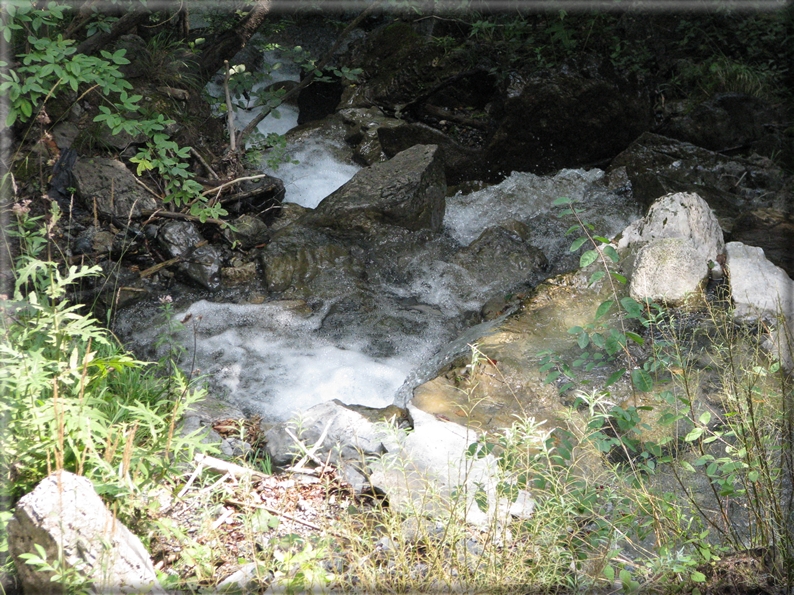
72	398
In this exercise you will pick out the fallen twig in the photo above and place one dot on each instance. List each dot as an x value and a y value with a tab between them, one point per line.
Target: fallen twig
221	466
182	216
234	181
198	156
276	512
169	262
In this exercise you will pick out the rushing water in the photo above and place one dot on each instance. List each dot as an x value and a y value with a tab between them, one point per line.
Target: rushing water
279	357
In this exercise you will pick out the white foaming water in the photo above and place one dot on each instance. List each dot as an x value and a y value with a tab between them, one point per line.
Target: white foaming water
267	359
318	172
519	196
284	118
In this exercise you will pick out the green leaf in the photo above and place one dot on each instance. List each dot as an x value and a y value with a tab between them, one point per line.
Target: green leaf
588	258
693	435
697	577
614	377
583	340
577	243
596	277
635	337
632	307
603	308
619	278
611	253
753	476
687	466
609	572
563	200
642	380
601	239
705	418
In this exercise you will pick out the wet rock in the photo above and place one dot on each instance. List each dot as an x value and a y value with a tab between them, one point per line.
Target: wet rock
65	516
350	436
501	258
657	165
299	254
318	100
112	187
406	191
290	213
239	275
200	264
726	121
460	163
247	231
567	118
363	127
680	215
669	270
260	198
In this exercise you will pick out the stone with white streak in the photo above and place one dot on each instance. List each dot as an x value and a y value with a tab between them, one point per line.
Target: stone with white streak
64	511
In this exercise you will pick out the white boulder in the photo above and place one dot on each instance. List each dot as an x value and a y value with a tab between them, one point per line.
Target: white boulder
761	290
66	517
682	215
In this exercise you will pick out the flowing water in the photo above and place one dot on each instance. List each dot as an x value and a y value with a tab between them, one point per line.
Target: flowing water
371	345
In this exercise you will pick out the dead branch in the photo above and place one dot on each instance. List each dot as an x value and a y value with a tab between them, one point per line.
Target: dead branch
206	165
276	512
229	108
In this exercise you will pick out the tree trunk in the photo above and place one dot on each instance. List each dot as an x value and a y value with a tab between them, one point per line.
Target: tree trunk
231	42
127	22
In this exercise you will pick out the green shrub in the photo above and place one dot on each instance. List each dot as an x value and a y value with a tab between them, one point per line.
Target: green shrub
72	398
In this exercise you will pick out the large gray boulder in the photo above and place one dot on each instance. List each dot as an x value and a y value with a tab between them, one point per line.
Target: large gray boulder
64	514
112	187
657	165
407	191
758	287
